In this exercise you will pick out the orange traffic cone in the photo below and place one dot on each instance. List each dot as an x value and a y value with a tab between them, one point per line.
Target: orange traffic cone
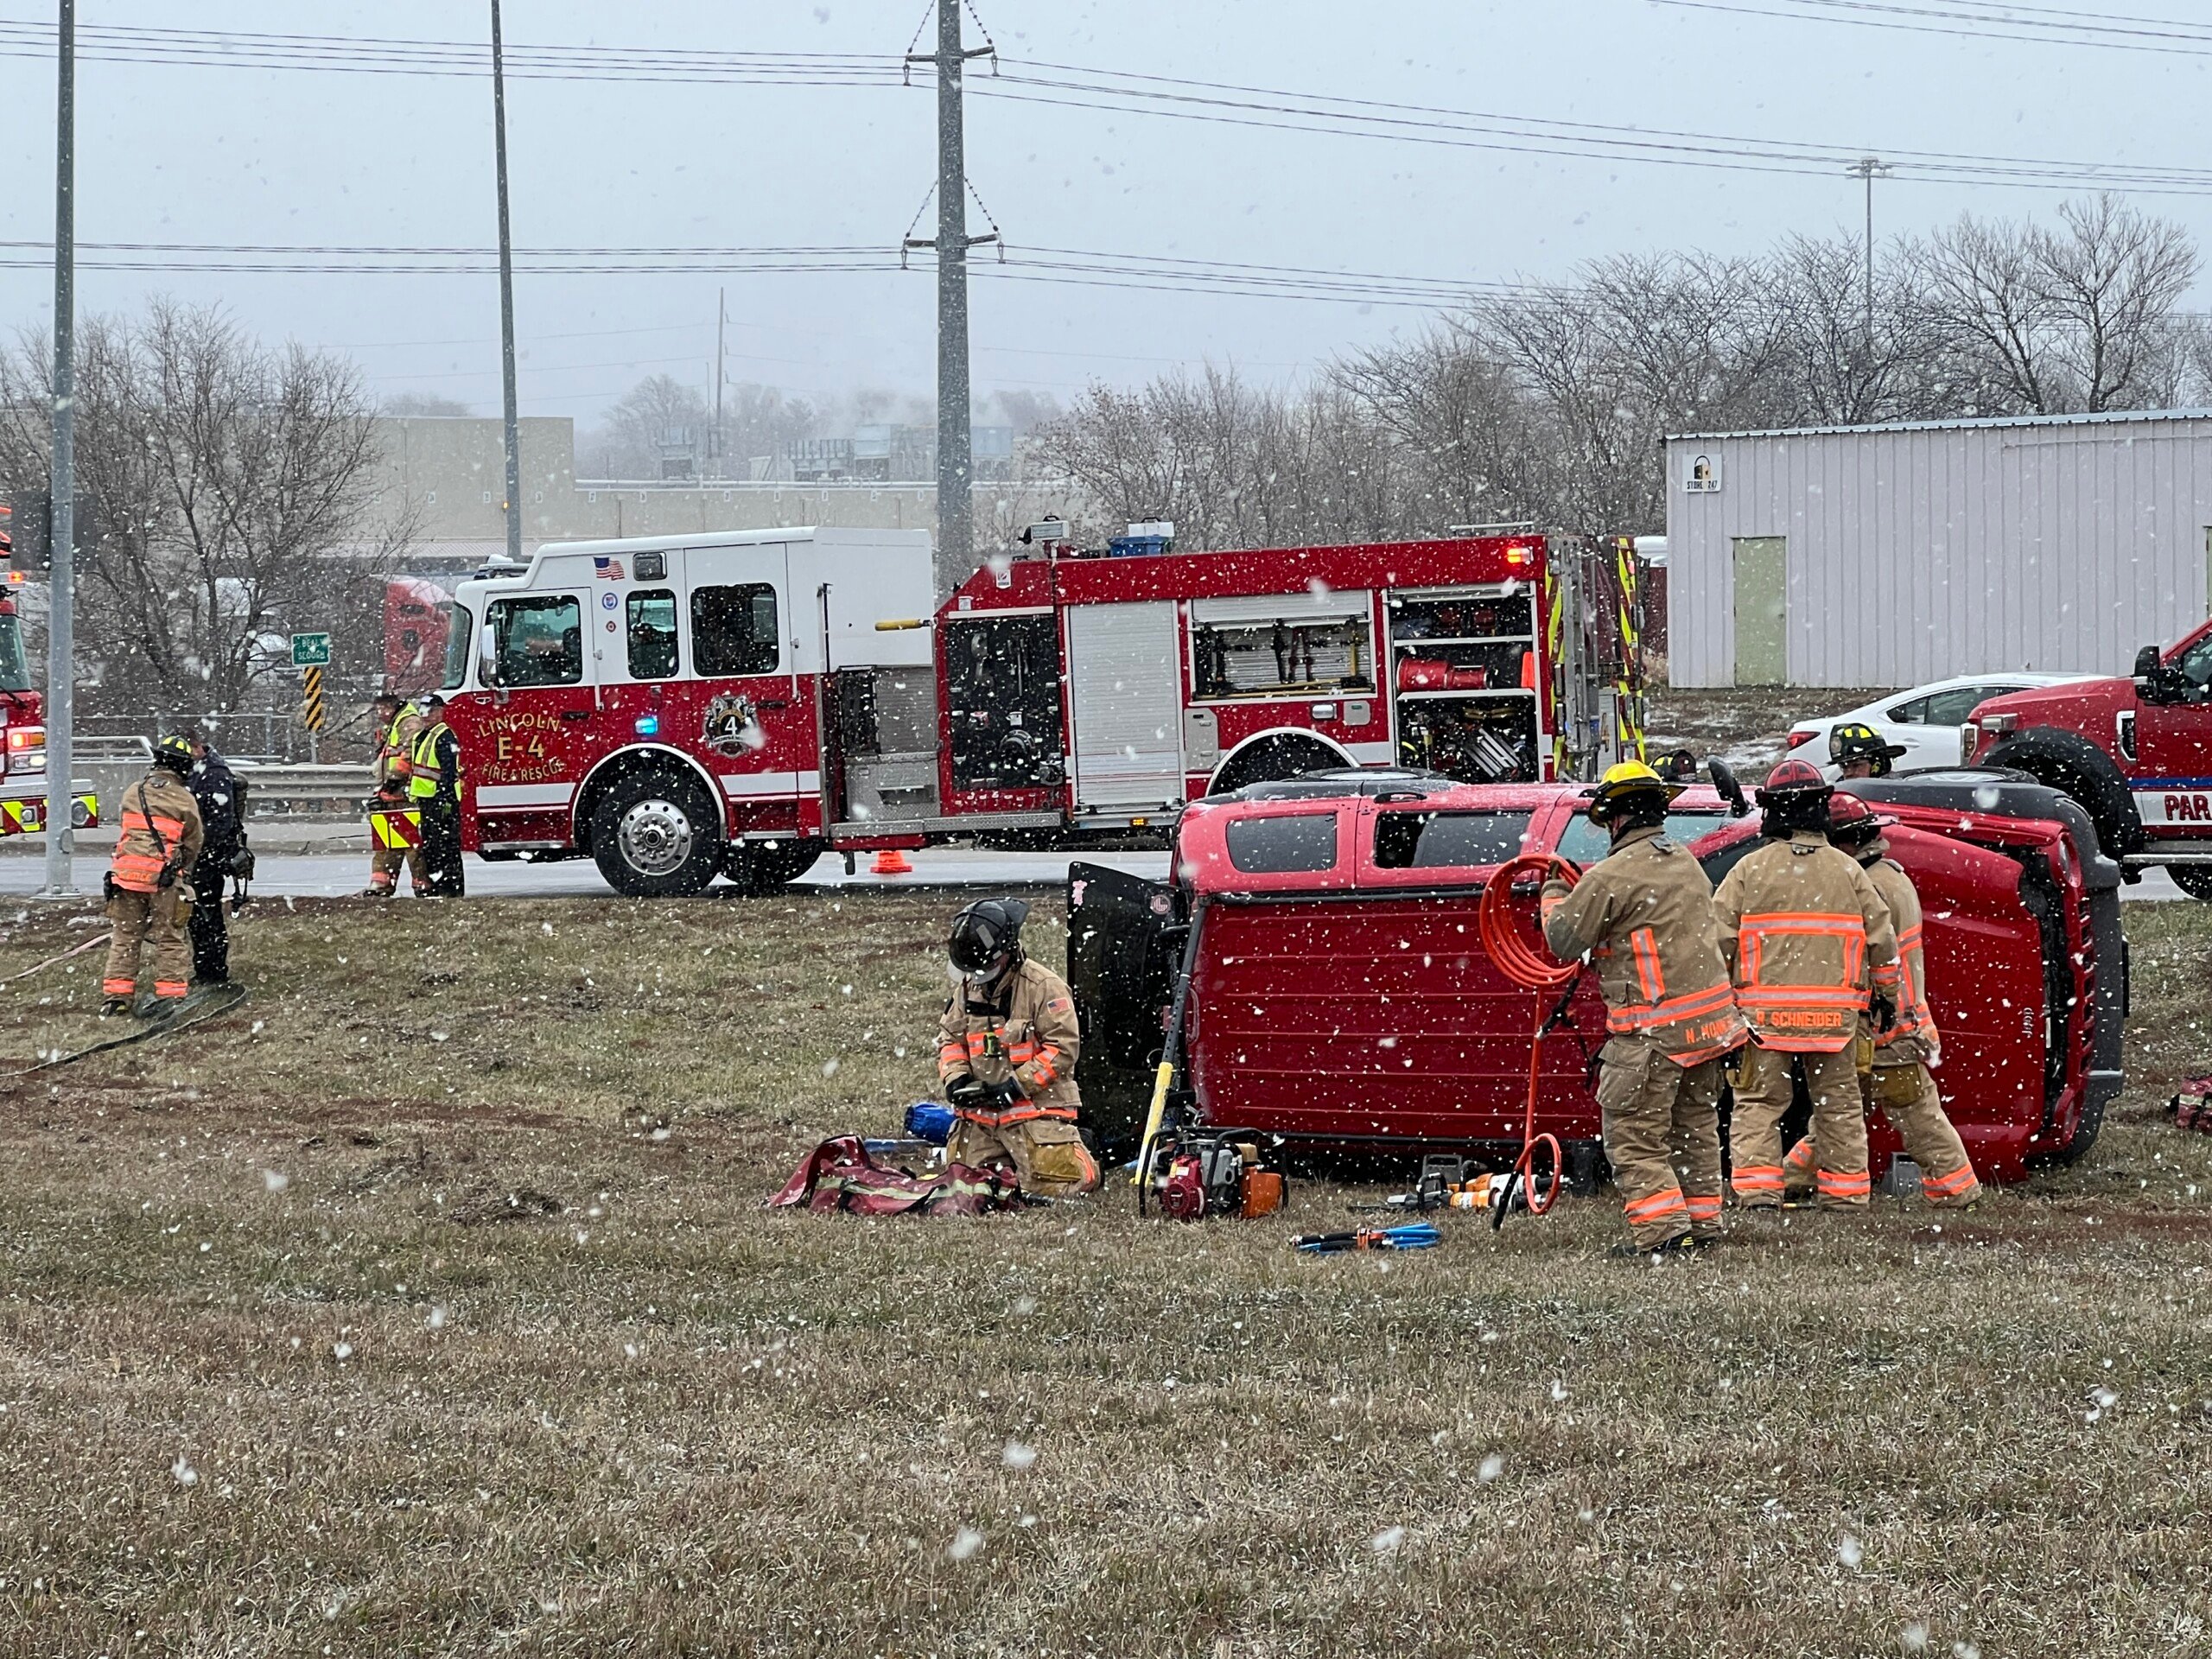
891	861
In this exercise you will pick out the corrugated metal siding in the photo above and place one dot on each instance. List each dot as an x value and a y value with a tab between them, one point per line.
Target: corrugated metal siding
1920	552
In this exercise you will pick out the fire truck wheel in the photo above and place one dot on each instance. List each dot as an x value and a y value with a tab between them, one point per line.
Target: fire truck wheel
2072	765
765	866
654	836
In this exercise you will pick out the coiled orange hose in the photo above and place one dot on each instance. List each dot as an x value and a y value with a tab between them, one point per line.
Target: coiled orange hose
1526	966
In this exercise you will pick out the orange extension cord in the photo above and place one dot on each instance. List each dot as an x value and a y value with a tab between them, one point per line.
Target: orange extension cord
1525	966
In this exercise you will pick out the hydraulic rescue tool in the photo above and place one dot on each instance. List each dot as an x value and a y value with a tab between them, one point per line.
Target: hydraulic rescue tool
1414	1236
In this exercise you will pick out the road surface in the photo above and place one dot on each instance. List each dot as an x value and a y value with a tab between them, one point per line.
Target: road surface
331	876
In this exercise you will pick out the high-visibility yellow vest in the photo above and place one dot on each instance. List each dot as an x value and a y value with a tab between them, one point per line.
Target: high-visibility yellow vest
428	774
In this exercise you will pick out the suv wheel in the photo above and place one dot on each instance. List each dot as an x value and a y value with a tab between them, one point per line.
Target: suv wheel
2194	880
655	835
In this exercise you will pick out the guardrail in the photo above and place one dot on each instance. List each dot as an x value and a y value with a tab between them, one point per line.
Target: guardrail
283	790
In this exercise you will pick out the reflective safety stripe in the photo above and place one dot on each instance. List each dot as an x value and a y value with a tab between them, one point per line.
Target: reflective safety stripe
1835	1184
1849	932
1021	1053
1652	1207
1021	1112
1961	1179
1798	1161
170	988
1672	1010
1758	1178
1047	1072
1704	1207
1645	944
171	829
117	986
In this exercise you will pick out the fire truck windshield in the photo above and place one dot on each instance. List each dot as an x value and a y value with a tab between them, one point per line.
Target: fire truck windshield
15	674
460	642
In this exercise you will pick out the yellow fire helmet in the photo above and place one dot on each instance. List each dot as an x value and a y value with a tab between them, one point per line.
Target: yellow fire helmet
1621	781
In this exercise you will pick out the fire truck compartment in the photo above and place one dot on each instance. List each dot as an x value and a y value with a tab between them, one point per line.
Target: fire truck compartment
1002	701
1122	678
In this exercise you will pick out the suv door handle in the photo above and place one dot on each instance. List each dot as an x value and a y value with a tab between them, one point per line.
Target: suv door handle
575	716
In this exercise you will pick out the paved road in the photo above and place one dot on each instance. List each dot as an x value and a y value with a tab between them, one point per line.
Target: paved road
323	875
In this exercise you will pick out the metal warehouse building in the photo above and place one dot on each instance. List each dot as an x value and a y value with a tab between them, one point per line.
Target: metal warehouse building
1885	555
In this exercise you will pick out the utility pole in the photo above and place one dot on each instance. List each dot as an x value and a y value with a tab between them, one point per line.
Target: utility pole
61	617
506	296
722	323
1868	167
955	513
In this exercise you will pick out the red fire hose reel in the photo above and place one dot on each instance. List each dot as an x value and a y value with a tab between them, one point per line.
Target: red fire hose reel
1535	970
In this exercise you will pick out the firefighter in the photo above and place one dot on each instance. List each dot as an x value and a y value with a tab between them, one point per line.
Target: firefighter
223	854
1859	751
399	721
1899	1080
1006	1056
434	784
1644	912
1810	945
154	855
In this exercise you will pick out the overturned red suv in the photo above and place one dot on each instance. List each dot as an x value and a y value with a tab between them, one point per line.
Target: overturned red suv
1341	997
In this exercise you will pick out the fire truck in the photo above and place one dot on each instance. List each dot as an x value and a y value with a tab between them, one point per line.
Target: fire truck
737	704
22	729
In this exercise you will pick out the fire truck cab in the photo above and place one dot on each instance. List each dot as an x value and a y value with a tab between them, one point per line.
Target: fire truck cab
740	702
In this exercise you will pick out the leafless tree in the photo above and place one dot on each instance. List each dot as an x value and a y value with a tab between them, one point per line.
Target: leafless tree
402	404
223	486
628	444
2047	321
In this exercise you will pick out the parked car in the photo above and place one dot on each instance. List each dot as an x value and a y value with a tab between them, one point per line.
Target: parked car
1925	719
1341	997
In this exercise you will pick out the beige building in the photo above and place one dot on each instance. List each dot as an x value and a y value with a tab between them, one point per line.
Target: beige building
447	474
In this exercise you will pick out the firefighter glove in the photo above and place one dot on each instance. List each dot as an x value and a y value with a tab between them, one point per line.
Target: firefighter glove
1006	1093
1886	1013
966	1090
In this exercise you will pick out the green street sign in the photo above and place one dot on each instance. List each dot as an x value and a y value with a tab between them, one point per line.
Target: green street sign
310	651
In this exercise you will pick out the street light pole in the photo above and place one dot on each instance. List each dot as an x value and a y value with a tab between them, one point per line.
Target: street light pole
506	296
61	625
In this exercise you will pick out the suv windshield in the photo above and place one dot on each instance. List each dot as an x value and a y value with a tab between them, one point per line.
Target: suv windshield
460	646
14	674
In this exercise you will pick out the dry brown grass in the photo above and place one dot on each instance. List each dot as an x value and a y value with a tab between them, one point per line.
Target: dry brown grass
285	1370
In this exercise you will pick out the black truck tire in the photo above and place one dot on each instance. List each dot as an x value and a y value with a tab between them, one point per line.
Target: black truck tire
2194	880
2074	766
655	835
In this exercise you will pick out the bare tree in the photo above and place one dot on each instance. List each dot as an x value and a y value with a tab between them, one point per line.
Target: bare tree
401	405
2044	322
225	488
630	441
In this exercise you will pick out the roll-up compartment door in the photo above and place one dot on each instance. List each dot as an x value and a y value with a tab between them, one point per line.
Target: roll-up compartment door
1125	689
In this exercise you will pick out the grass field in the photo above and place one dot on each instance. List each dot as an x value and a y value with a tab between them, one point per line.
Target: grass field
426	1305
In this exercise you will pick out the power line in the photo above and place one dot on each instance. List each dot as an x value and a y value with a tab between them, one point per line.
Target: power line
1221	103
1960	20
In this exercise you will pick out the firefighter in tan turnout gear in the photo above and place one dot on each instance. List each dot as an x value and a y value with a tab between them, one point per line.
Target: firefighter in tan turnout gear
1807	937
154	855
1645	914
1006	1057
1900	1082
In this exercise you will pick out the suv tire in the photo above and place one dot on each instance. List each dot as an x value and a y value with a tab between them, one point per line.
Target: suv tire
655	835
2072	765
2194	880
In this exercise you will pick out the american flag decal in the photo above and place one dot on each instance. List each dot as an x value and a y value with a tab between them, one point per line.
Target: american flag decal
606	569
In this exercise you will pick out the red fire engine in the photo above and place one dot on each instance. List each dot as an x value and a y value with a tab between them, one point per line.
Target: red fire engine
739	703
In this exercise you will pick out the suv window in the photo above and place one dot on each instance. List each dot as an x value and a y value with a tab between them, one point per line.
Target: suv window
733	630
1950	708
652	616
538	641
1585	843
1429	841
1283	845
1914	713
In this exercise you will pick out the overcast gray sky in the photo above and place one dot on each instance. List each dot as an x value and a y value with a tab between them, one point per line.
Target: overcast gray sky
178	151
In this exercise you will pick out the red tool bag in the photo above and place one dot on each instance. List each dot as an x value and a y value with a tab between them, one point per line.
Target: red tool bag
2192	1107
840	1175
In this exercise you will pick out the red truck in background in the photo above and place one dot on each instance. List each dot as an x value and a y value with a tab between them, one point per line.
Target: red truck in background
2136	752
416	617
738	703
23	736
1341	998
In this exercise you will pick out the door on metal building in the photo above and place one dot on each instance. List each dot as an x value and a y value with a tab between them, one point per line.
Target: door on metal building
1762	604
